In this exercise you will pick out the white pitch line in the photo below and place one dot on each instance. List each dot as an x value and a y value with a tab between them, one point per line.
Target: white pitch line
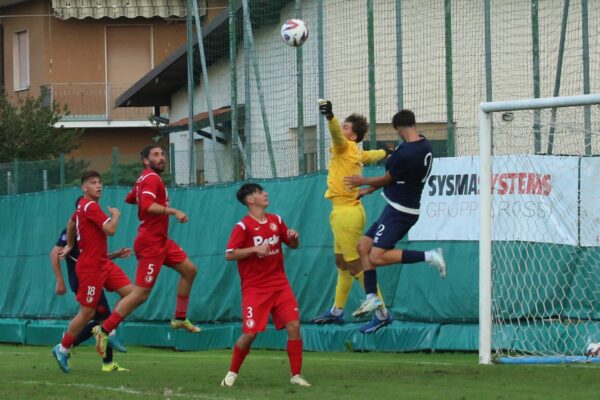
122	389
227	356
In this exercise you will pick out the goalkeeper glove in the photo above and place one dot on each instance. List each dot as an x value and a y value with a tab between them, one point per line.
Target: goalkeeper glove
326	108
388	151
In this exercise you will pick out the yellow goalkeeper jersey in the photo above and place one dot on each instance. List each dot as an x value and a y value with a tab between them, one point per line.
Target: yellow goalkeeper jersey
347	158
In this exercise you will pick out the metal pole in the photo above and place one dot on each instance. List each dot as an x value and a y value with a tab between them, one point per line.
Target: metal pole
371	53
261	97
587	112
15	176
45	179
61	167
321	73
535	40
300	96
561	52
115	162
172	163
488	54
399	69
247	95
190	93
449	88
485	237
211	118
235	142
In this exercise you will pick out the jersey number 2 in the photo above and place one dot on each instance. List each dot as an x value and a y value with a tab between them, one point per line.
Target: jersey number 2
428	163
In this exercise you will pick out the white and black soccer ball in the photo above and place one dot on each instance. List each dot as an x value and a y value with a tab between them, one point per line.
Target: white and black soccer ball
294	32
593	350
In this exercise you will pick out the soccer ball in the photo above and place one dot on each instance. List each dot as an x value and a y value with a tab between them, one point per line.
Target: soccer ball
593	350
294	32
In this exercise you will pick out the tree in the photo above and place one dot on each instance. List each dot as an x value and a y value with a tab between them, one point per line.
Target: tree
27	129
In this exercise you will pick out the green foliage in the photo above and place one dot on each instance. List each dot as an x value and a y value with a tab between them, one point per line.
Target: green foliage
27	129
128	173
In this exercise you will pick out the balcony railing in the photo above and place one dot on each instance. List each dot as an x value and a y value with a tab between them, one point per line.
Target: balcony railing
94	102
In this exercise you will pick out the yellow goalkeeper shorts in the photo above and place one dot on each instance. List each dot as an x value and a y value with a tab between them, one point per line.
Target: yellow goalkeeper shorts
347	224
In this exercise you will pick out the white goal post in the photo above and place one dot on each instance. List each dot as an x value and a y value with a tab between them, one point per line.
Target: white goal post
486	195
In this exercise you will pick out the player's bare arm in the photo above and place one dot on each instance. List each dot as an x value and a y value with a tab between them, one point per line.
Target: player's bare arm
239	254
110	228
123	252
55	261
366	191
375	181
64	252
293	239
157	209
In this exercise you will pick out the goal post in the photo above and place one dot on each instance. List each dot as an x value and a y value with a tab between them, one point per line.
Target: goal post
546	320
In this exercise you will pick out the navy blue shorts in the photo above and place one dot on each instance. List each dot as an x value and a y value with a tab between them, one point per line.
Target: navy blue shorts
102	309
390	228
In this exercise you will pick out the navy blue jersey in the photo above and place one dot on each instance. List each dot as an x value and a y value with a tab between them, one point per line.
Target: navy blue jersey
62	242
409	164
71	260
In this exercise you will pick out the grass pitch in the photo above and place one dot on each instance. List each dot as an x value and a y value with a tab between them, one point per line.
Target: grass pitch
31	373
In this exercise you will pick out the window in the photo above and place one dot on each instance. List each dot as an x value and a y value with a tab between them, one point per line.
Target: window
21	60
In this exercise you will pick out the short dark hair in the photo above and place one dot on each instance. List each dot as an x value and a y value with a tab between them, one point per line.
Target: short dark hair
360	126
77	201
404	118
145	153
246	190
87	175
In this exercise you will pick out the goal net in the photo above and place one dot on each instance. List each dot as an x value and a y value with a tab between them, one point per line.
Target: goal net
540	229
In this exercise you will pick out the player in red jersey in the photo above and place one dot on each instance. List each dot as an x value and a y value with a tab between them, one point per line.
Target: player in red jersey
94	269
153	248
256	244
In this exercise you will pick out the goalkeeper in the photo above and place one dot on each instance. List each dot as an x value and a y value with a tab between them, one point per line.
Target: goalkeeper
347	218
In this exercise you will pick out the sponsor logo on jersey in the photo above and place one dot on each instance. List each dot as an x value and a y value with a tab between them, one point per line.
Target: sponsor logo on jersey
273	240
89	299
149	278
250	323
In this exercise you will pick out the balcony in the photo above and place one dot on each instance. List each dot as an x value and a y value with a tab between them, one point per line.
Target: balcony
93	104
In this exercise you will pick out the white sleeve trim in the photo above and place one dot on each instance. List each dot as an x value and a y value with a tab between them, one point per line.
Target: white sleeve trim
229	250
106	222
87	205
241	224
150	193
278	217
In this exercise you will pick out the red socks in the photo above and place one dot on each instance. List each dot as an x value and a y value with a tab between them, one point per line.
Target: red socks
237	359
112	322
67	341
294	350
181	307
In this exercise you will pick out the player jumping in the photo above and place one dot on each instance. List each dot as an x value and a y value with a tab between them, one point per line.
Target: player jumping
102	309
347	217
407	169
256	245
95	270
153	248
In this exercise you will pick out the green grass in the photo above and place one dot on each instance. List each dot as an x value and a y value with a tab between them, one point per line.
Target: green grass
31	373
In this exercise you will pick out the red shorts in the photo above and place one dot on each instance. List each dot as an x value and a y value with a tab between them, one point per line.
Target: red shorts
256	307
152	258
93	278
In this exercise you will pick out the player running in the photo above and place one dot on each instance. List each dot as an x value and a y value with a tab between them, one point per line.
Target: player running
347	217
102	309
255	243
95	270
407	169
153	248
